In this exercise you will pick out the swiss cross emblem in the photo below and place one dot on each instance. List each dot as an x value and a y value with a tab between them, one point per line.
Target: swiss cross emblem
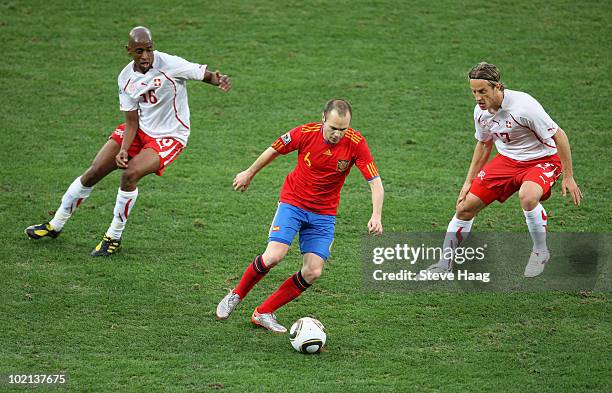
157	82
508	124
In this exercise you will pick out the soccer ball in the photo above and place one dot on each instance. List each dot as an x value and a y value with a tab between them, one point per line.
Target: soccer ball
307	335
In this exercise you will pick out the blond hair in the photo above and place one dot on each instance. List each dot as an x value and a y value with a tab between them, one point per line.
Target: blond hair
488	72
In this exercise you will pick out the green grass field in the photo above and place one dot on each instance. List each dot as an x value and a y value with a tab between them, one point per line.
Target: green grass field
143	321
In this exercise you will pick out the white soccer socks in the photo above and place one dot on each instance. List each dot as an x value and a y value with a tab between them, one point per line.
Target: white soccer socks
536	222
73	197
123	207
457	232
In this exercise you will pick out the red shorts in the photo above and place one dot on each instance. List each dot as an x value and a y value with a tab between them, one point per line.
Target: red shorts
167	148
502	176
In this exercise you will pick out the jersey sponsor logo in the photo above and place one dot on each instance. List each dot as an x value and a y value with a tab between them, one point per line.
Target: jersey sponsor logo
495	121
342	165
286	138
481	175
327	152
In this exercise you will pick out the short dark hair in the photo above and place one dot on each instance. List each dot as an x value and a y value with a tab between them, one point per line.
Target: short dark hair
488	72
339	105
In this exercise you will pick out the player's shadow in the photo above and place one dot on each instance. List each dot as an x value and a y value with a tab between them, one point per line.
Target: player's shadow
583	260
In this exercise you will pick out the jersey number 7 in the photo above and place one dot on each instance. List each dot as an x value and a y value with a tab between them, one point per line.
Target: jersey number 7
505	135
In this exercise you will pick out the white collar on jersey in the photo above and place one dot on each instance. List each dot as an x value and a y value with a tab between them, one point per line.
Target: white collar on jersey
507	101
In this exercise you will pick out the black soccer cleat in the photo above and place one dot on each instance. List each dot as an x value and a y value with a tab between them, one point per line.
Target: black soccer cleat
42	230
107	247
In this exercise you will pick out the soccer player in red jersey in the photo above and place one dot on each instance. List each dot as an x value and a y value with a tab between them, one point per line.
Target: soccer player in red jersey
153	95
308	203
533	152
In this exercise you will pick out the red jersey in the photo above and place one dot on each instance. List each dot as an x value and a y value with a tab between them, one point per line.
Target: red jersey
322	167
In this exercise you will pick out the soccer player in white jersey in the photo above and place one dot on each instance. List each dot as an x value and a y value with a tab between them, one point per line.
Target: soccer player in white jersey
153	96
533	152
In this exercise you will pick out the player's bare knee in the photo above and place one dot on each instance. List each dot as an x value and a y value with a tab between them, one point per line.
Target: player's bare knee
272	258
465	213
274	254
528	200
129	179
312	273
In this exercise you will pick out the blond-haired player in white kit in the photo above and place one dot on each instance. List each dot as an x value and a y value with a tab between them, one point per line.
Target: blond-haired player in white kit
533	151
153	95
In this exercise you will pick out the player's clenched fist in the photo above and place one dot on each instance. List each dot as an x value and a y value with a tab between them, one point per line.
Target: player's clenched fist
242	181
121	159
375	226
224	81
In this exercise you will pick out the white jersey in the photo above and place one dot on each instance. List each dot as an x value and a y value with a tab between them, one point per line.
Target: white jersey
160	95
521	128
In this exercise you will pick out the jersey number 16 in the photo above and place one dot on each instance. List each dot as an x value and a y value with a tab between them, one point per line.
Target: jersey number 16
152	98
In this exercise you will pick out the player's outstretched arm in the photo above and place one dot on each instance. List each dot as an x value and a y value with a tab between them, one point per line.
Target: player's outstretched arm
218	79
131	127
243	179
482	151
568	184
378	195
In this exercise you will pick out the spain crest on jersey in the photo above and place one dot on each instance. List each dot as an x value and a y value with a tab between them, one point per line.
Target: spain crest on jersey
342	165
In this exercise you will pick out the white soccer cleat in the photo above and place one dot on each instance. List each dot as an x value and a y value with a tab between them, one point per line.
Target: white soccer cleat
227	305
439	267
536	264
267	321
